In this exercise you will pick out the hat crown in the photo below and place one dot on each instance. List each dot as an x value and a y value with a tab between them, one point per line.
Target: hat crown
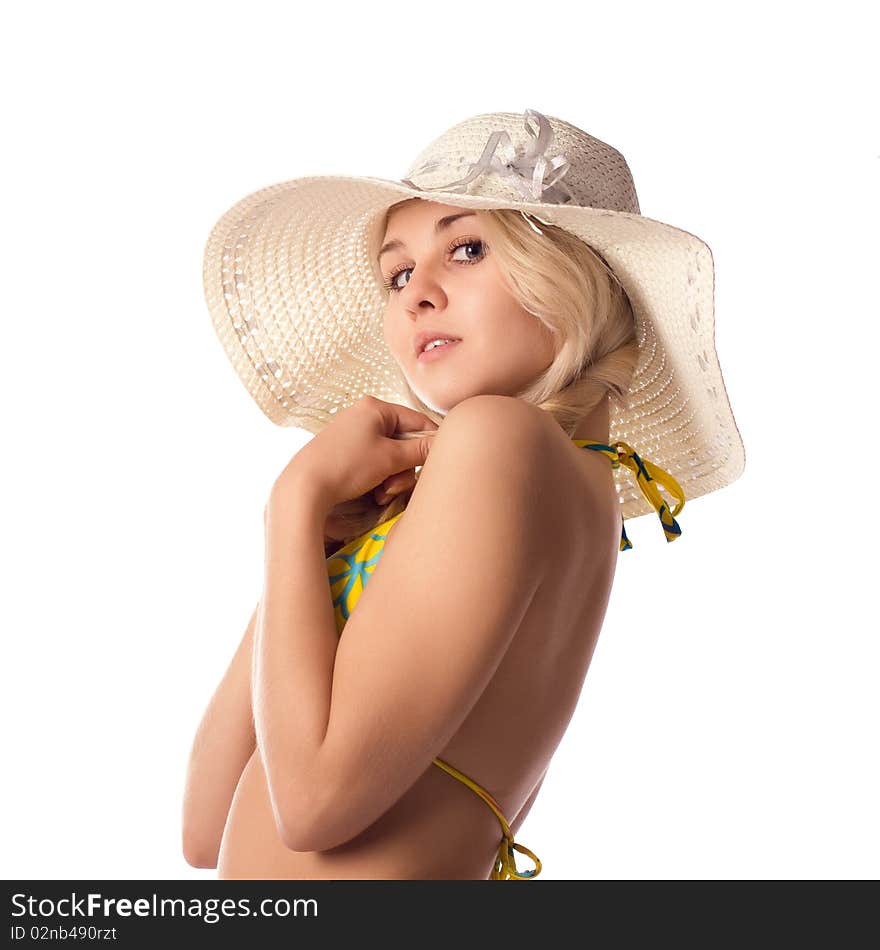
527	157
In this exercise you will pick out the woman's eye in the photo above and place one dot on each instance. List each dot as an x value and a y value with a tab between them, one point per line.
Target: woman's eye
468	244
391	284
392	280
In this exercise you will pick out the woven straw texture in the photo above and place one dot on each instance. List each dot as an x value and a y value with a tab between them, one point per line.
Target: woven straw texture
297	302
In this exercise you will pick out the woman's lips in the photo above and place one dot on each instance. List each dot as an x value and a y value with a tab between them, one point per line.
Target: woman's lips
427	356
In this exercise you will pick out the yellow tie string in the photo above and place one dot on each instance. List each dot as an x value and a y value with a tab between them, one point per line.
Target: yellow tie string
505	863
648	477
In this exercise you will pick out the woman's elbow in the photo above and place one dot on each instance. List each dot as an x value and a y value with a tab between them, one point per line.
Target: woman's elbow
297	828
294	835
197	853
201	829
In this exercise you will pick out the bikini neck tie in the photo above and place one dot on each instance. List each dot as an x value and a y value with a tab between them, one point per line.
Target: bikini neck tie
648	477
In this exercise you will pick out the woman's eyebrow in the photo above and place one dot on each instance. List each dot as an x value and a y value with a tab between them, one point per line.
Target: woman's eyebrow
440	224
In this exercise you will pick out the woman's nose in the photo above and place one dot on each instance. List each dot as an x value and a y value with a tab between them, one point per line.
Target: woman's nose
422	288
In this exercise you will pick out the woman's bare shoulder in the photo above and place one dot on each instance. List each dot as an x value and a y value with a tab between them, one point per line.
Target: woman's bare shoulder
497	415
507	428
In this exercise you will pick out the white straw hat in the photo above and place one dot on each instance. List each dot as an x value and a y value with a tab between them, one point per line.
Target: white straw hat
297	300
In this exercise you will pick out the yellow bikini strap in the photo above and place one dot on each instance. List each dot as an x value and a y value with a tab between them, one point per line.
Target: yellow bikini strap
648	477
505	863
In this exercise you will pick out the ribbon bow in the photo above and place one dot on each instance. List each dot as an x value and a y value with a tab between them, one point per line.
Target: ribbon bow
648	476
505	868
526	170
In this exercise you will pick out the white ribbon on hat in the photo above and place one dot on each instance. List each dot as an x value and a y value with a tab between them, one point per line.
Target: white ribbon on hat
525	170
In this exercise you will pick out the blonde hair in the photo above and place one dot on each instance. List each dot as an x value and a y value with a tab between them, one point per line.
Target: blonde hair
571	289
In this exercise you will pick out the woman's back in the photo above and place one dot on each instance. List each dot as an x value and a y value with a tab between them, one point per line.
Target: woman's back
439	828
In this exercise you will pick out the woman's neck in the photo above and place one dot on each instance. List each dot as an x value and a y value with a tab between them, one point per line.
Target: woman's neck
596	425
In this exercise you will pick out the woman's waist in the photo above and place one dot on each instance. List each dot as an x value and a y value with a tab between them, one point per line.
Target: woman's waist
439	829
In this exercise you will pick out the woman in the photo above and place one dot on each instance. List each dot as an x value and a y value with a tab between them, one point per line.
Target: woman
375	754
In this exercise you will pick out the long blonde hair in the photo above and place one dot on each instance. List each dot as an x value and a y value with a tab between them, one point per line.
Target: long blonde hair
571	289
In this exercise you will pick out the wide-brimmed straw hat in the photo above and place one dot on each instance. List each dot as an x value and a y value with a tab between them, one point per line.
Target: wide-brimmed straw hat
297	300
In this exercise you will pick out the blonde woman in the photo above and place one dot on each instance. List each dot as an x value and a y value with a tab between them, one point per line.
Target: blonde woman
410	738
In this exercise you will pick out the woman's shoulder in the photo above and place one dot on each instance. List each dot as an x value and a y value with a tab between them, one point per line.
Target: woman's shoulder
508	430
506	425
496	446
496	430
495	411
501	445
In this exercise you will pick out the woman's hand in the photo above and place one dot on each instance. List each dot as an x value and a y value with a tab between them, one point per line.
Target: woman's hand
338	524
357	454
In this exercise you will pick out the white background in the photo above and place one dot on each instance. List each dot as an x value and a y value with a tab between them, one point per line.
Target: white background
728	724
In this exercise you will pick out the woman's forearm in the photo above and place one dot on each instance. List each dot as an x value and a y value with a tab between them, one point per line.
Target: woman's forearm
294	655
223	744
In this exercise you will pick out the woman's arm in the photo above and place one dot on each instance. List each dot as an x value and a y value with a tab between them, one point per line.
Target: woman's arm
223	744
516	824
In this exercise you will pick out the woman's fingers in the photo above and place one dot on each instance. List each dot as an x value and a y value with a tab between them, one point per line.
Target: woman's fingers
400	481
398	418
394	485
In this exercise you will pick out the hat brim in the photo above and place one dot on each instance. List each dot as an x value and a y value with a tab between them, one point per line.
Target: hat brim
293	291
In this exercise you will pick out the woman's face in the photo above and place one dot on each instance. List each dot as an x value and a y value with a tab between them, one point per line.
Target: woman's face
444	281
